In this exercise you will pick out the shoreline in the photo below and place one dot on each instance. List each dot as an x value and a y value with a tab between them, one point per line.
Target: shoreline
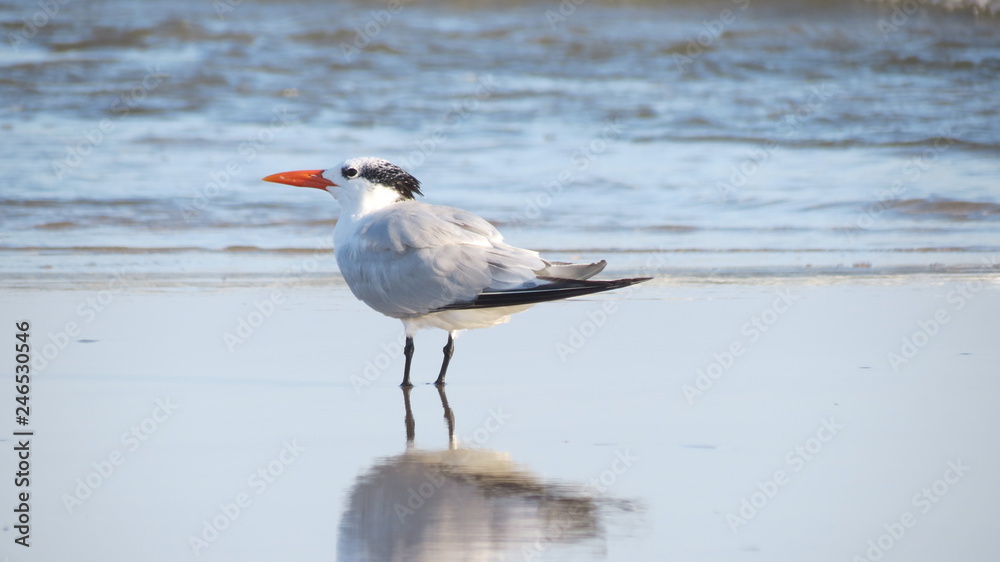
680	277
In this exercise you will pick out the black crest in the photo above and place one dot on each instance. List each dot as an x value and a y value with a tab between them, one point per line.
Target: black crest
384	172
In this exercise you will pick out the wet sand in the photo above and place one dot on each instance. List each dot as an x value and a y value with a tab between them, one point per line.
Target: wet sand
762	418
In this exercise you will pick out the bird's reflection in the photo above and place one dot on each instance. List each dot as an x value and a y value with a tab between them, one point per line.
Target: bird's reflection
460	503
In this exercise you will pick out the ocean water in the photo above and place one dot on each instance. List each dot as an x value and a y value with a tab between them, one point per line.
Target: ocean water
730	136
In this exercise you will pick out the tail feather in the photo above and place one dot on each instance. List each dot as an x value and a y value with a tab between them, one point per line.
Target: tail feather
555	289
562	270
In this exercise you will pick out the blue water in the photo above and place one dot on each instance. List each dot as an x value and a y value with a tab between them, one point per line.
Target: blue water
726	136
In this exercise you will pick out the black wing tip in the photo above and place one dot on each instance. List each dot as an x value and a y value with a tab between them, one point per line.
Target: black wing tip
558	289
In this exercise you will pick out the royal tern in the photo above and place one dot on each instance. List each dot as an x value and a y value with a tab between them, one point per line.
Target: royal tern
432	266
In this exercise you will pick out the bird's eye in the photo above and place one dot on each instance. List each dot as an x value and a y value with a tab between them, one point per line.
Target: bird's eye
350	173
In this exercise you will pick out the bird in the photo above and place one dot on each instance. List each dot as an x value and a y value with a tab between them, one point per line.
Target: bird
434	266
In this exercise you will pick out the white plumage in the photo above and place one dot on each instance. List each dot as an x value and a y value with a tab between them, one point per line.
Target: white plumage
431	265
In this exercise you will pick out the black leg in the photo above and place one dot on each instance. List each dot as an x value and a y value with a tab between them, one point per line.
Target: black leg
449	350
408	353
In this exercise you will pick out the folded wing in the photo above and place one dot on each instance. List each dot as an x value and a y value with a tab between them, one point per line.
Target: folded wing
553	289
413	258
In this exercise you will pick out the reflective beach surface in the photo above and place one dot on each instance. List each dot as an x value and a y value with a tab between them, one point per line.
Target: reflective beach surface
780	418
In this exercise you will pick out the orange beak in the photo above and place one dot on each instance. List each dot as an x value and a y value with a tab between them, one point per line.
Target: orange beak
302	178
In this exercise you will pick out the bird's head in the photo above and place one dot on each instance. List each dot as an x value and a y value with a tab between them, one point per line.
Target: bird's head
367	181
